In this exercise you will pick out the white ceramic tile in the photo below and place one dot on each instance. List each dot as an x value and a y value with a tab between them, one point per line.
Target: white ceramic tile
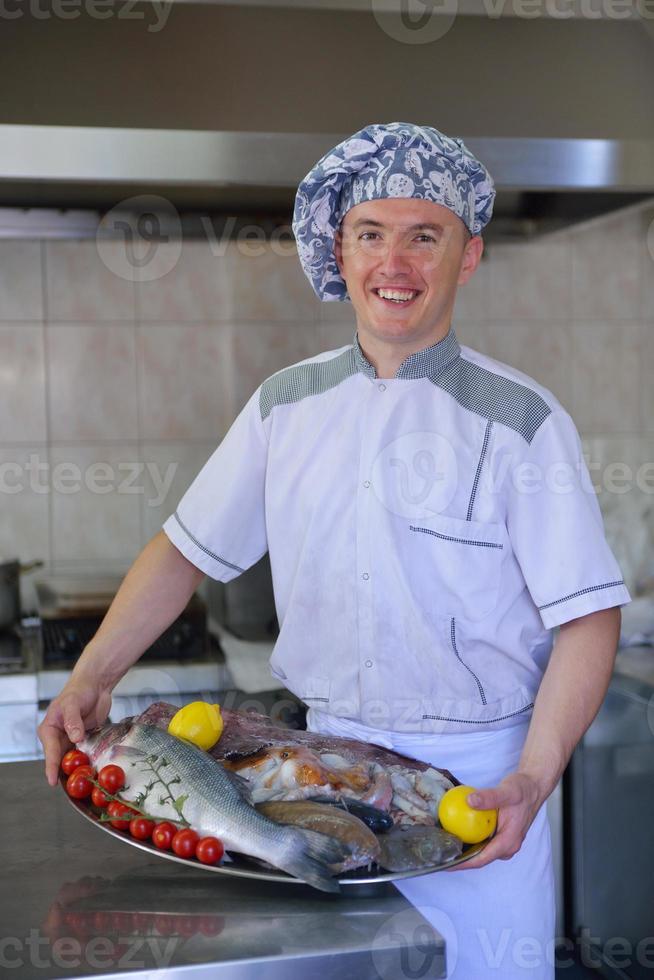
531	281
225	282
257	350
341	312
95	502
267	283
647	386
22	383
183	381
473	298
81	286
24	503
647	266
21	293
189	283
606	268
92	381
622	472
607	364
471	334
334	334
540	349
170	468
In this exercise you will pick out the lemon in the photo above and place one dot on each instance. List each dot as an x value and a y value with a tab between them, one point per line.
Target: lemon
459	818
199	723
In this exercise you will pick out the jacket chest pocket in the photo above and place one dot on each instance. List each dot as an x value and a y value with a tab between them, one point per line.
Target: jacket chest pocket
457	565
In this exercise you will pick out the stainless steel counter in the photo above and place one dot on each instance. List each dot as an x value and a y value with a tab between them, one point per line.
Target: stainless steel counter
74	902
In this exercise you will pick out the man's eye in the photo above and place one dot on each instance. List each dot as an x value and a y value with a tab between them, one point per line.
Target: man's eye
363	236
427	238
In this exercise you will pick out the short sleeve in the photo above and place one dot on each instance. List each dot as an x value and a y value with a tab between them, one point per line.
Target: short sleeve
556	530
220	524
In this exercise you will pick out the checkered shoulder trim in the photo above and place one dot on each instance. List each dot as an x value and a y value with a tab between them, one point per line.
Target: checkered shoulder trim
303	380
494	397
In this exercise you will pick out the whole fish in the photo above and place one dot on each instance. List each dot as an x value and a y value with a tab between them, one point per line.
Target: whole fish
415	848
361	843
172	779
376	820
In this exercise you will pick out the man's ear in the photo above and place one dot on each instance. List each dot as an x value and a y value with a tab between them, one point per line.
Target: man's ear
471	258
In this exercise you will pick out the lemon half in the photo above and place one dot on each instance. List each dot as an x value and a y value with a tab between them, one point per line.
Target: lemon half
199	723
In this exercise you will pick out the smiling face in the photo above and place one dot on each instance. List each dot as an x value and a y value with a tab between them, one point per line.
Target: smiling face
402	260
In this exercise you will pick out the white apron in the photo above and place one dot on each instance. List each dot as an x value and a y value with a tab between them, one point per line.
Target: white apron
497	921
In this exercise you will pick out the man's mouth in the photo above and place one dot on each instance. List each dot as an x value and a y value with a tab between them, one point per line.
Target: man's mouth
396	297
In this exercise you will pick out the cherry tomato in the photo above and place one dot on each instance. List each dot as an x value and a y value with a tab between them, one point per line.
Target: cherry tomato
85	770
184	843
111	778
142	922
141	828
72	760
162	835
164	923
121	814
79	786
98	798
211	925
186	925
209	850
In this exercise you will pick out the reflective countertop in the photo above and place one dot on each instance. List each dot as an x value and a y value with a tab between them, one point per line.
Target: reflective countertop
76	902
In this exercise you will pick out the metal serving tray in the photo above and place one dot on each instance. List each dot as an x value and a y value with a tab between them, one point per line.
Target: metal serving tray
361	881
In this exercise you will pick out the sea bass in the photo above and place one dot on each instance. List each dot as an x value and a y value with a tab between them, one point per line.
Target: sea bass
172	779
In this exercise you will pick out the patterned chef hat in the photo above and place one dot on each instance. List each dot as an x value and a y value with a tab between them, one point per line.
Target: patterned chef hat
384	160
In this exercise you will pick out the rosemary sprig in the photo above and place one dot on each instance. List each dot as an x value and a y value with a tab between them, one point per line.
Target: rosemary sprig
133	805
168	796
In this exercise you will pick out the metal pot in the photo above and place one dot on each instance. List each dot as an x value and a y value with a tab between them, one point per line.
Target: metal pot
10	572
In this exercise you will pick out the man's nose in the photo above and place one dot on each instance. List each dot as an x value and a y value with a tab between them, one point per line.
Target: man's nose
395	258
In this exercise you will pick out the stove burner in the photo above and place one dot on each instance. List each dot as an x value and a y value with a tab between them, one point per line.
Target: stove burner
64	639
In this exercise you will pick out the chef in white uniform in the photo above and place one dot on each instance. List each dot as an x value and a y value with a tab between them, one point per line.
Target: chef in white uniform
429	519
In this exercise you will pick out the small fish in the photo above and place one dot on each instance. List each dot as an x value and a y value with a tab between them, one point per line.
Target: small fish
375	819
361	843
411	848
177	777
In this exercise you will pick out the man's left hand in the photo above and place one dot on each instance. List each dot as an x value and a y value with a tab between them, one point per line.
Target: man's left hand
518	799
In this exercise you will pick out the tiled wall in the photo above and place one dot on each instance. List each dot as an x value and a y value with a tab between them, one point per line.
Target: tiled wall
105	382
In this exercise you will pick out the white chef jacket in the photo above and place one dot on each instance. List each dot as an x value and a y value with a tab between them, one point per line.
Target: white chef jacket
425	532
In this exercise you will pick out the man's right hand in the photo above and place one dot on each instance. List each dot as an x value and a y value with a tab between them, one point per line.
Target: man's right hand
80	707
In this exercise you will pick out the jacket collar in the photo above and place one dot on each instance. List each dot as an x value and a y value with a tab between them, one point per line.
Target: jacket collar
427	363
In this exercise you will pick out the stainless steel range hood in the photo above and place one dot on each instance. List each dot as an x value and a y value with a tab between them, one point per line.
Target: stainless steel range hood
569	134
542	184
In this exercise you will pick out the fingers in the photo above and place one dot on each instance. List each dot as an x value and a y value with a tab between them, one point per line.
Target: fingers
508	794
61	727
502	847
54	743
73	724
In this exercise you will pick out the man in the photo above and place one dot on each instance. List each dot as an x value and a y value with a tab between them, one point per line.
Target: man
428	522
